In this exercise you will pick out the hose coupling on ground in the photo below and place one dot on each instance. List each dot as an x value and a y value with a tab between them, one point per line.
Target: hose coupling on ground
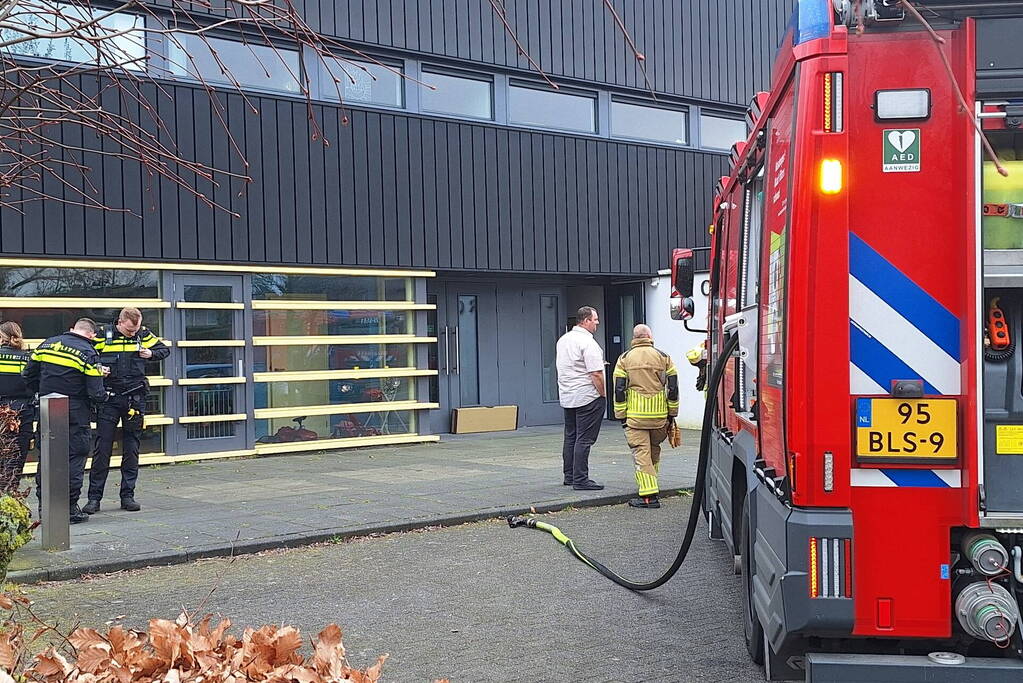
515	521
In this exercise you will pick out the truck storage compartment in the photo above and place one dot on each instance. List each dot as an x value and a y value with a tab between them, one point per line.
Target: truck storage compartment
1002	325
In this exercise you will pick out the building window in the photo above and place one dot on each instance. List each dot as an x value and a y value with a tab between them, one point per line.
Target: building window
718	132
445	93
364	82
117	40
537	106
644	122
330	288
244	64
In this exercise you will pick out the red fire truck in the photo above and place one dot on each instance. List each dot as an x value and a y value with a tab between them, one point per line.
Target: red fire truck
866	460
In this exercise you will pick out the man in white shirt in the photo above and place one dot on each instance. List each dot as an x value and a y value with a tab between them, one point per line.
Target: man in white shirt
582	392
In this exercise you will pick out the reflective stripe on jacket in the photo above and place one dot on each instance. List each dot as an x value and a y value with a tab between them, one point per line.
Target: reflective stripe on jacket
646	386
12	364
66	364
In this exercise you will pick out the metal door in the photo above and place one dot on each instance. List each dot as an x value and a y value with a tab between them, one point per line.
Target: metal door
211	366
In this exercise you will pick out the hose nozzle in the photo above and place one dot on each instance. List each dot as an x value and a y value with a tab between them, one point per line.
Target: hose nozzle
515	521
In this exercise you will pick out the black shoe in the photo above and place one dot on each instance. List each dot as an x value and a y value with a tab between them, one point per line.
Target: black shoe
91	508
566	483
130	505
645	502
77	515
588	486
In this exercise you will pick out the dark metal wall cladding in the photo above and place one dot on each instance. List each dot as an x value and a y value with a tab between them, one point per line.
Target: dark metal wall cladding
718	50
404	190
389	190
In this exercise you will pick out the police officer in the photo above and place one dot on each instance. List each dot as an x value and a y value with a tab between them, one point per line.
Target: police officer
124	347
14	394
645	400
68	364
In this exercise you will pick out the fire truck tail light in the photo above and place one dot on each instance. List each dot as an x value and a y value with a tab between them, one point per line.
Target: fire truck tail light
814	569
830	567
901	105
831	176
833	118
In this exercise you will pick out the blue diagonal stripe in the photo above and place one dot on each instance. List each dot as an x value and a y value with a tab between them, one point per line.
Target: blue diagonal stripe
913	303
918	478
878	363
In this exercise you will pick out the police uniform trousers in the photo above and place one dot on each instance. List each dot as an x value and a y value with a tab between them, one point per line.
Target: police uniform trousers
115	411
79	443
646	454
11	468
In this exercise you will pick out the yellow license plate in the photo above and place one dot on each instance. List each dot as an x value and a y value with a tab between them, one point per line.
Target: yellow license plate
912	429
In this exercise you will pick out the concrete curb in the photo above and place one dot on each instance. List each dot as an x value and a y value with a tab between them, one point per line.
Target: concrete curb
297	540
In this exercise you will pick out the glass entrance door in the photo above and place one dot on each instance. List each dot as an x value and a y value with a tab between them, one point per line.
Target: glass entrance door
213	377
466	330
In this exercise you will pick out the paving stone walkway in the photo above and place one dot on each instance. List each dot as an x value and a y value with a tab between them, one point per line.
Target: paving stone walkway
216	508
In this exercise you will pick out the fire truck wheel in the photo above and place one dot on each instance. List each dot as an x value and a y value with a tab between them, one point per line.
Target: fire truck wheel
752	631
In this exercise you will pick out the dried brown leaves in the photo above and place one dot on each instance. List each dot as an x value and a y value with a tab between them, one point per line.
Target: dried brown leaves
176	652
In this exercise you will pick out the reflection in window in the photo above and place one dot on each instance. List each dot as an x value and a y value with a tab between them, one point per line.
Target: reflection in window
98	283
548	343
467	360
209	361
333	392
361	81
717	132
118	40
342	426
332	357
208	324
40	323
249	64
447	94
214	294
551	109
328	288
317	323
644	122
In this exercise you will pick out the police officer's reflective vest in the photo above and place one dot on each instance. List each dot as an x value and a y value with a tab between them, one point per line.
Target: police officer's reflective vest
121	355
12	364
66	364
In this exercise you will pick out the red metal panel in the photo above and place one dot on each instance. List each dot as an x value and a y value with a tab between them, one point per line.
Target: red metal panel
902	537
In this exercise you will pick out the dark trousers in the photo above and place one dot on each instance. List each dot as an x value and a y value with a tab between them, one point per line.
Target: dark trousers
582	425
115	410
11	467
79	442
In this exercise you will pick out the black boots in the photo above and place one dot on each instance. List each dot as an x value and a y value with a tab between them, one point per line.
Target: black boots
91	508
645	502
130	505
78	515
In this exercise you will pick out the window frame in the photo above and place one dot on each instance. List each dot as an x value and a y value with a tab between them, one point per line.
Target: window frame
489	79
686	111
243	39
148	51
717	114
525	84
324	88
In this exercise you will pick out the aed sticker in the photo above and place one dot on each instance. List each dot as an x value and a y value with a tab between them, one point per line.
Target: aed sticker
901	150
1009	439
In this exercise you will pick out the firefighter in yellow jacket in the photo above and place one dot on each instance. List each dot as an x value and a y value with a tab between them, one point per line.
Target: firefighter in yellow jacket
646	401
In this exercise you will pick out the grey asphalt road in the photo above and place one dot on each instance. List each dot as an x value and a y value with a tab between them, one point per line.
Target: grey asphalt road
479	602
